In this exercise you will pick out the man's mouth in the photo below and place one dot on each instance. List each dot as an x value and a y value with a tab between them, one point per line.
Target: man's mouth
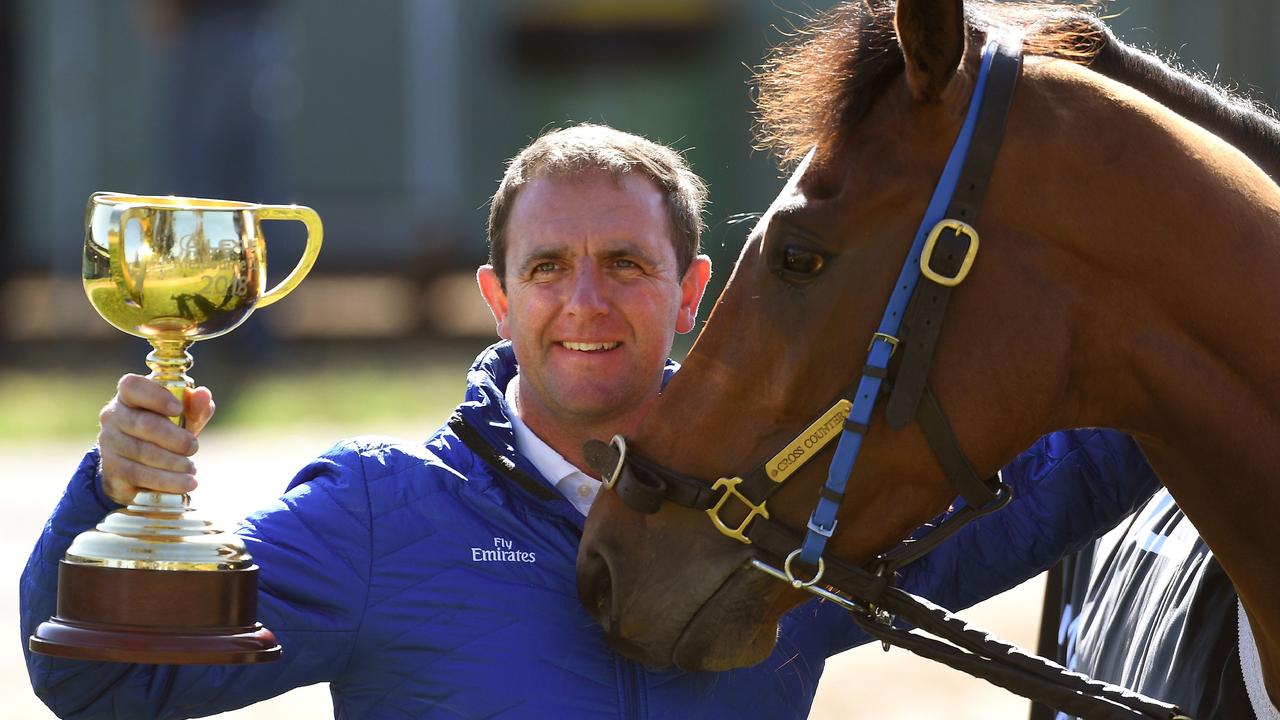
588	346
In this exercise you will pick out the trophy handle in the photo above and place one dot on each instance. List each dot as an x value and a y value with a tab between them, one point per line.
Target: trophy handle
115	252
315	234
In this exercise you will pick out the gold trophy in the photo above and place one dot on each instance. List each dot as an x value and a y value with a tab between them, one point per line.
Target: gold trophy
154	584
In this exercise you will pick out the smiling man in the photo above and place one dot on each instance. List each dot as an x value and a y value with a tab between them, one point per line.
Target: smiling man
589	279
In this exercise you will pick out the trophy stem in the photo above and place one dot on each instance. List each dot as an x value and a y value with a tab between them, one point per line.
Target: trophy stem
169	362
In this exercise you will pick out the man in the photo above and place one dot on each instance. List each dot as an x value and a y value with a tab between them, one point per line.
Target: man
437	580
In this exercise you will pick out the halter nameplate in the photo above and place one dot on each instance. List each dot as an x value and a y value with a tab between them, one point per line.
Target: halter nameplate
808	443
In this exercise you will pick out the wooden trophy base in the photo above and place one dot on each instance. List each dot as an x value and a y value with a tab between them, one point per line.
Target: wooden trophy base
175	617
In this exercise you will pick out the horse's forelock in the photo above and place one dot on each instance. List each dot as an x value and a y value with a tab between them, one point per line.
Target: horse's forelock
820	82
808	86
814	88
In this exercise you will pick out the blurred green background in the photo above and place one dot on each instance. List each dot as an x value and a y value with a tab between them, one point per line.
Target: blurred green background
393	120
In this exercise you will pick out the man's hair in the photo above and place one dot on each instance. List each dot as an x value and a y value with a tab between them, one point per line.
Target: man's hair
588	147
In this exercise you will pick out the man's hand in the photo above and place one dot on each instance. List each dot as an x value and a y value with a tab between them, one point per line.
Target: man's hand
141	448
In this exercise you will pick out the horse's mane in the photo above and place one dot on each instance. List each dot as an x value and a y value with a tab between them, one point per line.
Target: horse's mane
814	89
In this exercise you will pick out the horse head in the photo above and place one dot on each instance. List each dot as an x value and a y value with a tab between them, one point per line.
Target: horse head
1039	335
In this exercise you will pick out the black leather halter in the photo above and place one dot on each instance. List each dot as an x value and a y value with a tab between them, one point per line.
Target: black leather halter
944	250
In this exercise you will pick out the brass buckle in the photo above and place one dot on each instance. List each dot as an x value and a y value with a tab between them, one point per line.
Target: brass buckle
959	228
891	340
730	487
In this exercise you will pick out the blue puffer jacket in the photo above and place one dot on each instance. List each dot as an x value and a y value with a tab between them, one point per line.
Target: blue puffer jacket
377	577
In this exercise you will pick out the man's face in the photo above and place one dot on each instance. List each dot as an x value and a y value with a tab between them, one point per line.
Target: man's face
592	296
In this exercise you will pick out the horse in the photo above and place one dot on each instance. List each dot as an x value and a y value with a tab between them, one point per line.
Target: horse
1130	237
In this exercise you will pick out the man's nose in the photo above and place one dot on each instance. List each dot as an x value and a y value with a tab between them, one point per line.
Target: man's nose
587	296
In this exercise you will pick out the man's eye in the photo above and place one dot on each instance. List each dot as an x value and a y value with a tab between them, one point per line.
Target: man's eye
544	267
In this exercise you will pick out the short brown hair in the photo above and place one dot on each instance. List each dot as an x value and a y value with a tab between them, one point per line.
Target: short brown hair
596	147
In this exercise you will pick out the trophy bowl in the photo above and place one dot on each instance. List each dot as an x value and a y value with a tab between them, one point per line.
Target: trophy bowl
152	583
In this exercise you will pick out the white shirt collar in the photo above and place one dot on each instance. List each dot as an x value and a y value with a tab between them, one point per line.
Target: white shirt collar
577	487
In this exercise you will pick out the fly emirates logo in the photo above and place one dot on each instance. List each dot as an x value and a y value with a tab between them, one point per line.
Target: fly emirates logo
502	551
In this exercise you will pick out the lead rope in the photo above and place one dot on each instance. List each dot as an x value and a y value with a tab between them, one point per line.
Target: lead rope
874	604
974	651
1017	670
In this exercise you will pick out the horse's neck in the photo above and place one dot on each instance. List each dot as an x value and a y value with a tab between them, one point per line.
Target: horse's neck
1171	242
1209	420
1192	257
1192	305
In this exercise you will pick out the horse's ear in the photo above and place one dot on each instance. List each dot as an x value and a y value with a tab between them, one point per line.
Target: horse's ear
932	35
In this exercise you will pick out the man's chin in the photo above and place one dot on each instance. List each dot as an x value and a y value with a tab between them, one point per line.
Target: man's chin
598	401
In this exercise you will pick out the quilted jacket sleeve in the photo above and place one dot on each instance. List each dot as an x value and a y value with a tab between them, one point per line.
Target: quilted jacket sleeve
1069	488
312	550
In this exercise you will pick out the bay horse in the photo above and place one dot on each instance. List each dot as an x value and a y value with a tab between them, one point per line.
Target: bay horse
1130	246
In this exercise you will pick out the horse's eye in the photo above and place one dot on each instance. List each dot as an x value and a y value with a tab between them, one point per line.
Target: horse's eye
801	260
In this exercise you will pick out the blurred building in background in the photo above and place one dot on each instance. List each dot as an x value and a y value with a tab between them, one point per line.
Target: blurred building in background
393	120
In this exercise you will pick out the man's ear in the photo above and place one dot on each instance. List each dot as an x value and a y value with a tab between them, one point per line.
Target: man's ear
691	289
495	296
931	34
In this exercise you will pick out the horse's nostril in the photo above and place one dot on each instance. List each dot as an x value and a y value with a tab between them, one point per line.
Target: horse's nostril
603	587
595	587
